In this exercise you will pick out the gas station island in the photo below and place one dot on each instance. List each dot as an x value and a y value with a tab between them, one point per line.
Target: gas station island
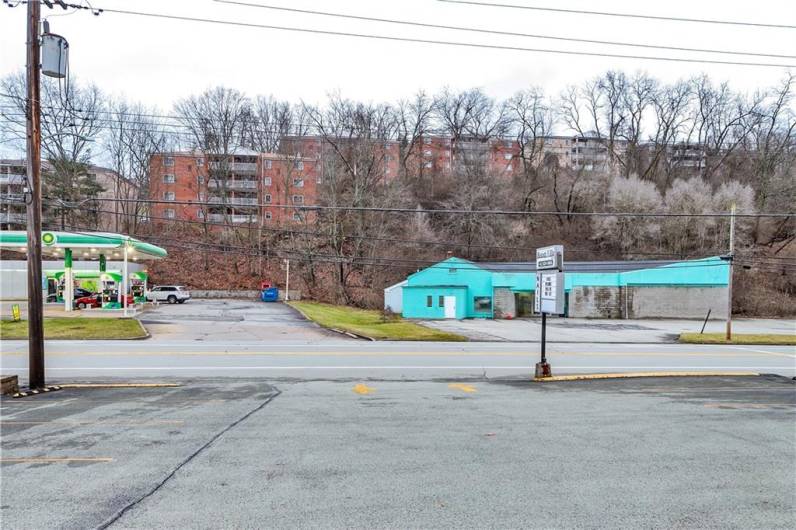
115	289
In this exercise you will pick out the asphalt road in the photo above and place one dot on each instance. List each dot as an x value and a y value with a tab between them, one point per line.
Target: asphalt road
653	453
393	360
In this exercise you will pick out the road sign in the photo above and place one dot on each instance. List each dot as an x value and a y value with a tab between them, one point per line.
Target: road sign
551	257
549	295
15	312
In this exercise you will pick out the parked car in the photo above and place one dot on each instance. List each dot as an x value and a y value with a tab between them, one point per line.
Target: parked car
79	293
94	300
172	294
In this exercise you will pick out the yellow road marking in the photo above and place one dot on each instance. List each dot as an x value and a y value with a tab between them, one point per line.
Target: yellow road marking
362	389
408	354
462	387
43	460
106	423
582	377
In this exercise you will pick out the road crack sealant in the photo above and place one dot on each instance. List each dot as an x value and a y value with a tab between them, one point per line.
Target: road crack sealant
119	514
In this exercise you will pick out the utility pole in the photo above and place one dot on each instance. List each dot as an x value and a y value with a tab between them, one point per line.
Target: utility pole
287	281
33	128
729	280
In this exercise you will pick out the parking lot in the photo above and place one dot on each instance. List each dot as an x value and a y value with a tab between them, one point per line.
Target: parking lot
221	320
502	453
588	330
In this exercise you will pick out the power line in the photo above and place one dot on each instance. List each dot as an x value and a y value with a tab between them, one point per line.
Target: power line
499	32
624	15
437	42
466	212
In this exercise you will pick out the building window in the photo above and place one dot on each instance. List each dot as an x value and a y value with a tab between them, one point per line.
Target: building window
298	164
268	198
268	215
269	164
168	178
426	141
507	156
298	199
297	216
482	303
427	152
441	301
200	179
451	271
299	183
428	165
168	161
168	196
266	181
429	301
508	143
169	213
200	162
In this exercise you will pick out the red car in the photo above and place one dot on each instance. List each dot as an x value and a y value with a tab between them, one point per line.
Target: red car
94	300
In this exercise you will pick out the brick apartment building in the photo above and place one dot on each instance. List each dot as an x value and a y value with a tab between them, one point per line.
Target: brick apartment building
12	183
244	187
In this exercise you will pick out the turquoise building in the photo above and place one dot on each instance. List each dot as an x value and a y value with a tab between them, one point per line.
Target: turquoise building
458	289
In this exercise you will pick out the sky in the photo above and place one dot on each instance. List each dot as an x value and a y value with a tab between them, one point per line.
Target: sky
157	61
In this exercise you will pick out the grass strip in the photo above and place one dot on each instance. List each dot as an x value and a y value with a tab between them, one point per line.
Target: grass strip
370	323
763	339
76	328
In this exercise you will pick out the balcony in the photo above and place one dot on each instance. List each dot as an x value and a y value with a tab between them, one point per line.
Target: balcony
233	184
244	201
13	218
233	218
11	179
239	167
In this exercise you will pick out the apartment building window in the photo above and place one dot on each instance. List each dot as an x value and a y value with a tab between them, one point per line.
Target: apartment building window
168	161
428	165
508	156
266	181
298	164
200	162
297	216
169	212
269	164
508	143
427	152
427	141
200	179
299	183
168	178
168	196
298	199
268	216
267	198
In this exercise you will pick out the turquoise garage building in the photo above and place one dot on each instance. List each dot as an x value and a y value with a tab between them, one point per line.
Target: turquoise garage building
458	288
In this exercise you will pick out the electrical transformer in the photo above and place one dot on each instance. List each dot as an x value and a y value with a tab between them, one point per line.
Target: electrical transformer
54	55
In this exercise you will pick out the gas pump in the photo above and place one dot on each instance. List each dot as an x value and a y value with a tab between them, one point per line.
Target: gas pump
108	291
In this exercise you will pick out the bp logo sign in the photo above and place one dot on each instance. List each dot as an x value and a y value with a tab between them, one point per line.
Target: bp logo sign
48	238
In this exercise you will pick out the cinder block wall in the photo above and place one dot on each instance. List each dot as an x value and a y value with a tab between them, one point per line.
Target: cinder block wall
676	302
595	302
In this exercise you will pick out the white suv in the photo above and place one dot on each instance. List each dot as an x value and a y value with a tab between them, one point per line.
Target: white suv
168	293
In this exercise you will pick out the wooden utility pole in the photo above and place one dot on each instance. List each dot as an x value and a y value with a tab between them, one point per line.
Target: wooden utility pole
729	280
33	200
287	281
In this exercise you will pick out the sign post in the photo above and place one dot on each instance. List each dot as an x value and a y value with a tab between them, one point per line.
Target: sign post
549	295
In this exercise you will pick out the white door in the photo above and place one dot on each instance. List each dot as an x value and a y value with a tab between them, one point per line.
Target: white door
450	307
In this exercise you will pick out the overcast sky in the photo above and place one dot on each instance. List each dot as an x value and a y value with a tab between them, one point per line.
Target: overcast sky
158	61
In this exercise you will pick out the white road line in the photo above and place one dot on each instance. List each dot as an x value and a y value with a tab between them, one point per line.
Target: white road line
410	367
764	351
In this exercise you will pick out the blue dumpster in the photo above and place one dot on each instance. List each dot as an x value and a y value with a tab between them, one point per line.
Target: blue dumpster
269	295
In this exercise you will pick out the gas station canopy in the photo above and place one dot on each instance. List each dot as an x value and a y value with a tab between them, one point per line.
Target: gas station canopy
84	245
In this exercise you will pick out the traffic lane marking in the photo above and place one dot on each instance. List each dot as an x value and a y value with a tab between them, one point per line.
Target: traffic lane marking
78	423
411	354
53	460
777	354
362	389
529	367
462	387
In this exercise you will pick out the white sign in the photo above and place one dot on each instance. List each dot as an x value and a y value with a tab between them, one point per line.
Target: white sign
549	295
551	257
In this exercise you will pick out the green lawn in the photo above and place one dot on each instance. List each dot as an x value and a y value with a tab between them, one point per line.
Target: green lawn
76	328
370	323
739	338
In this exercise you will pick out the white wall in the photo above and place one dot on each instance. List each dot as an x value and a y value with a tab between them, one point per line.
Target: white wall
394	297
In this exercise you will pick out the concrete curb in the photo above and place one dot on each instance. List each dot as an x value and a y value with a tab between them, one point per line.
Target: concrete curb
636	375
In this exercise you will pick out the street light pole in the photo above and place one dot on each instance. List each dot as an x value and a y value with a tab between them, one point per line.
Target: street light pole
729	281
33	201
